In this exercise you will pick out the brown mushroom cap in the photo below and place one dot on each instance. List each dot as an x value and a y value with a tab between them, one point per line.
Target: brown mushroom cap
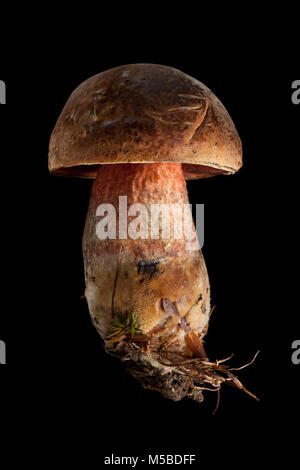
144	113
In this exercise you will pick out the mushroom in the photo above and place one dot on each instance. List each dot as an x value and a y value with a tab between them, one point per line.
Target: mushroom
140	131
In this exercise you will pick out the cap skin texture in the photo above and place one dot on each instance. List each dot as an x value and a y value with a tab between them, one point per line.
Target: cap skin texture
144	113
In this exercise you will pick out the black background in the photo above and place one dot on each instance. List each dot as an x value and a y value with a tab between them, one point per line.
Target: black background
60	393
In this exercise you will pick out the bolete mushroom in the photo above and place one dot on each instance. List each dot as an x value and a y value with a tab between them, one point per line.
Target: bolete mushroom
141	130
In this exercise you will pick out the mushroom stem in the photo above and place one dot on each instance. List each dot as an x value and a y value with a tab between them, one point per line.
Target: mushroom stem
133	265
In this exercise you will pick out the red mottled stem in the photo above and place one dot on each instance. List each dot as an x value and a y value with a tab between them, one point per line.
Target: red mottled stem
143	275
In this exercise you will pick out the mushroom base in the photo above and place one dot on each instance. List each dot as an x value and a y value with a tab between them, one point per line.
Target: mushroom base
168	381
173	375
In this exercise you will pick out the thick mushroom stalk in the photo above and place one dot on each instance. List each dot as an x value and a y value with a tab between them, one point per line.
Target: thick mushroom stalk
145	273
160	279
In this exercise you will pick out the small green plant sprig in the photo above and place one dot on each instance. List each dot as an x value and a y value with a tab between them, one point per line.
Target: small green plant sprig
123	326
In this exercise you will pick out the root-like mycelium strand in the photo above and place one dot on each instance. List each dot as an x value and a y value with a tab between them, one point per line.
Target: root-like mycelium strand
159	367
